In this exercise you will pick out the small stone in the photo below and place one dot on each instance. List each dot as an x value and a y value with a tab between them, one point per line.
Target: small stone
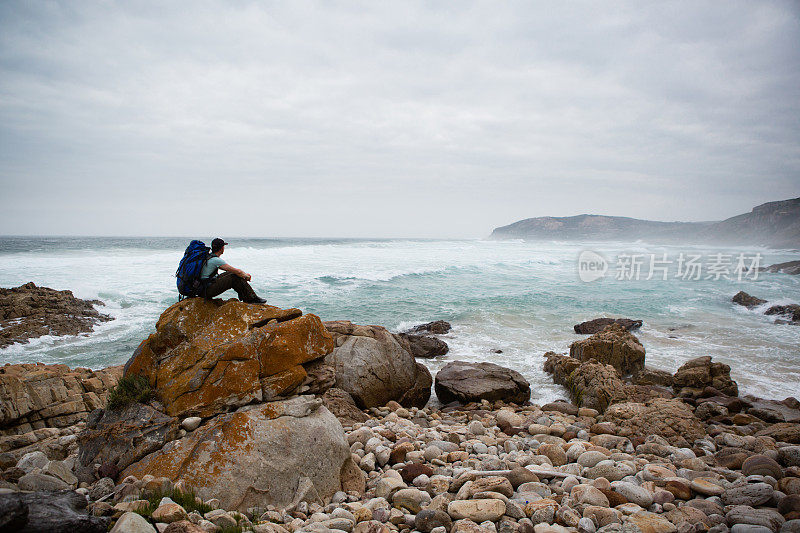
606	469
59	469
410	499
497	484
679	487
35	481
32	460
477	510
554	452
131	522
476	428
743	514
170	512
542	511
191	423
432	452
221	518
591	458
101	488
429	519
589	495
585	525
706	487
753	494
633	493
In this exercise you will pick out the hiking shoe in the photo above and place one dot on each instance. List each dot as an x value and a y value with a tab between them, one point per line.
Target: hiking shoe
257	300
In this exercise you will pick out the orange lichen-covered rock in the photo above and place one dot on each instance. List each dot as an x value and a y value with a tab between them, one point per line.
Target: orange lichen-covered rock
207	356
257	456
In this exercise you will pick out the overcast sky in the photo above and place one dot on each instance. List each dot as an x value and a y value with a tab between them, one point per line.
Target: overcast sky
390	119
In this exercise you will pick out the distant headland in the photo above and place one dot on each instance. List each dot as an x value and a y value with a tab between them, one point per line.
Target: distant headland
774	224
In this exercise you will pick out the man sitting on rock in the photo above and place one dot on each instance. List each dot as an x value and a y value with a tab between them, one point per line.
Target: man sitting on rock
233	278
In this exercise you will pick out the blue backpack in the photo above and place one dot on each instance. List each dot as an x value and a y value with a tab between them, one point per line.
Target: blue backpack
188	273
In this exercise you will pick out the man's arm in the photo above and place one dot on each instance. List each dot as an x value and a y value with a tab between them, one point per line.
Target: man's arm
239	272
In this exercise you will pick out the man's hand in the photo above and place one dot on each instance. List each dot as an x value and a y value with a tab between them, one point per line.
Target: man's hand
247	277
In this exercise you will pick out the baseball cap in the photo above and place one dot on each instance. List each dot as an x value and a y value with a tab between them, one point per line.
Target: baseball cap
217	243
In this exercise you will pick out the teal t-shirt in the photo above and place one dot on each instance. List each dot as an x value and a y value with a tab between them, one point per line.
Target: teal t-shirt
211	266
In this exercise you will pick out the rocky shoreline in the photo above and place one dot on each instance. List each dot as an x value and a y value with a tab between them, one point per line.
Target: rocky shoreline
245	417
28	312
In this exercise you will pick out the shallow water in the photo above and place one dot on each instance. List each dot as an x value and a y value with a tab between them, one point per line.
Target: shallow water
520	297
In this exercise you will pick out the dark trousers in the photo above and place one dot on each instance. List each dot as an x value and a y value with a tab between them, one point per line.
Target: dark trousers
229	280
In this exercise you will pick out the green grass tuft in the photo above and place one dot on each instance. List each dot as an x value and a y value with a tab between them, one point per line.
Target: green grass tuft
186	499
130	389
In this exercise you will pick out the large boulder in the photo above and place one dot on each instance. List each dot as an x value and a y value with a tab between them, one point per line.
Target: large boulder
29	311
466	382
613	346
590	327
374	368
269	454
209	356
669	418
697	374
51	511
590	384
41	403
120	438
423	346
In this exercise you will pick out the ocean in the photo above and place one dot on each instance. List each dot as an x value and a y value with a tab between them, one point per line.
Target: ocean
522	298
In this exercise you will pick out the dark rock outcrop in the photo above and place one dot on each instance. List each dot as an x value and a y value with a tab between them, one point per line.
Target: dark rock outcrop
437	327
595	385
694	376
28	311
460	381
791	311
789	267
423	346
742	298
591	327
121	438
614	345
51	511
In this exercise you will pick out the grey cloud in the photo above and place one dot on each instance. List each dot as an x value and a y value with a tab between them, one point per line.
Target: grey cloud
391	119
